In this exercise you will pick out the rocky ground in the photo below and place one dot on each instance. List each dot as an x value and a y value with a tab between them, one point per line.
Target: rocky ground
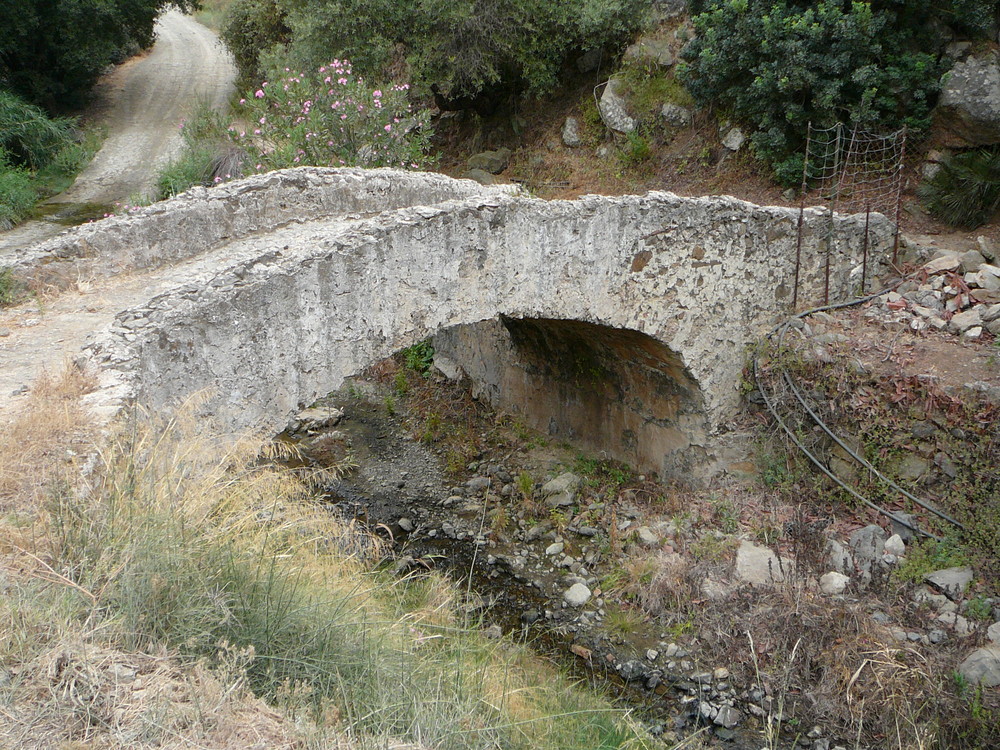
750	611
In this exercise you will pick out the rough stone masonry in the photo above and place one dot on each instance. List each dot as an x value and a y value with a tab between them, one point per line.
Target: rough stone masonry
292	308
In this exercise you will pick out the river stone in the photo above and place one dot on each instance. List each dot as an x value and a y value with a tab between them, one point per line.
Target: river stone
760	566
614	108
833	583
577	595
571	133
555	548
405	524
982	666
969	105
951	581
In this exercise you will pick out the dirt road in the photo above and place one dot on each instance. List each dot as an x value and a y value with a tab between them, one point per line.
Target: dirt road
147	100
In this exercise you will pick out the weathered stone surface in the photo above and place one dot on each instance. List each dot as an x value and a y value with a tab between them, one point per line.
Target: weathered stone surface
282	314
675	115
650	52
186	225
950	581
571	133
833	583
963	321
481	176
614	109
982	666
839	556
493	162
894	545
734	139
759	565
970	100
567	482
868	545
993	633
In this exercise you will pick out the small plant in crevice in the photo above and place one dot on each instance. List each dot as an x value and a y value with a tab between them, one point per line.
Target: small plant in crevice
965	192
11	289
419	357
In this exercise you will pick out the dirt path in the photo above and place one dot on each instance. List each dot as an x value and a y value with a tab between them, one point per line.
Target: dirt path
148	99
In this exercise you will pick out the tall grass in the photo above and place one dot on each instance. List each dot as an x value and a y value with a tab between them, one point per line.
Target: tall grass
206	552
965	192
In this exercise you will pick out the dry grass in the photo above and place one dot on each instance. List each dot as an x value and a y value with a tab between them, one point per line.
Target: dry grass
47	441
191	594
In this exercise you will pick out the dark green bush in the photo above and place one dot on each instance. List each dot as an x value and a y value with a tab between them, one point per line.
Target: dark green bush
464	46
965	192
777	65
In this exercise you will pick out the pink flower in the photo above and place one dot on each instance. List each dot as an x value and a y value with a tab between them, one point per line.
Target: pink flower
341	81
259	93
388	128
376	93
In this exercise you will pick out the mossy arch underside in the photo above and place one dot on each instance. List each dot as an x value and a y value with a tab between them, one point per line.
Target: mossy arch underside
688	282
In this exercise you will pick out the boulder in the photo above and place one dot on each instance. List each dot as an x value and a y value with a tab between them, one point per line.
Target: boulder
675	115
734	139
760	566
571	133
950	581
614	109
833	583
481	176
982	666
493	162
969	107
650	52
577	595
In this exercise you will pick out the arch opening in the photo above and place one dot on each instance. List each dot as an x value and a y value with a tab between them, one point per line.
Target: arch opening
612	391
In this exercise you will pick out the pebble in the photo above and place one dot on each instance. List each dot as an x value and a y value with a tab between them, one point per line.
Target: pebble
406	525
555	548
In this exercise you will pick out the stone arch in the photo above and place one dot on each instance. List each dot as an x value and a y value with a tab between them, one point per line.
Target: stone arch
618	392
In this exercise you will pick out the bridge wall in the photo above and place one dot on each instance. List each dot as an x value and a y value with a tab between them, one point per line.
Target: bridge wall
185	226
704	277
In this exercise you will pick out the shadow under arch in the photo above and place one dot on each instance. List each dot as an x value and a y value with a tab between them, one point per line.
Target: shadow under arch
614	391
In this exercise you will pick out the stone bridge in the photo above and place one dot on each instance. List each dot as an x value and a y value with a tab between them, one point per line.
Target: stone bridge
621	321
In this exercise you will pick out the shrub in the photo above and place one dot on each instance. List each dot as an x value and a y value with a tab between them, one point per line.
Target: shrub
779	64
965	192
330	117
465	47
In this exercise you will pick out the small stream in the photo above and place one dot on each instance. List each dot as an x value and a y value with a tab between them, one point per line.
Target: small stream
401	491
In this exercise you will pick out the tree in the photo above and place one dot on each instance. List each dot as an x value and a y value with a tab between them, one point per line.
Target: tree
465	48
53	51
